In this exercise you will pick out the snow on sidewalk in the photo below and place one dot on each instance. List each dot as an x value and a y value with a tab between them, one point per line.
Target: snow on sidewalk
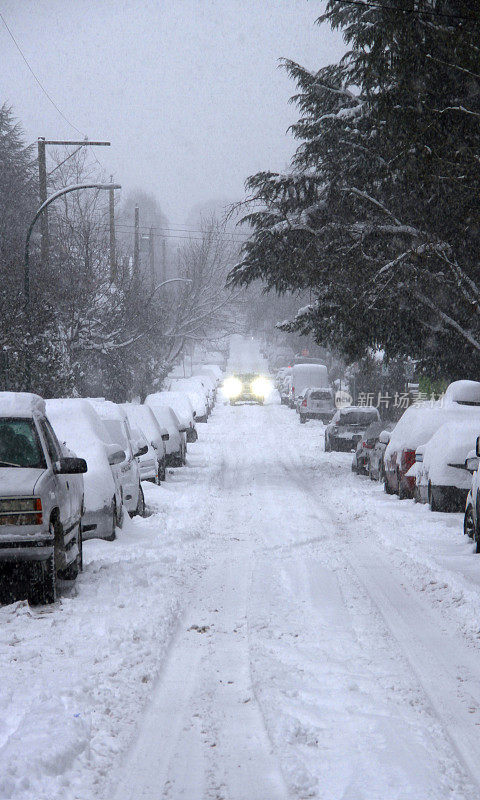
75	676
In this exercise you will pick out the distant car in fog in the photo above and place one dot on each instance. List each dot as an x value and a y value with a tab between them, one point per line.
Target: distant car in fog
348	426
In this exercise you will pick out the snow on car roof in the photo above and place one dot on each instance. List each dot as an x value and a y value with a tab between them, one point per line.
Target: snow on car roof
360	409
21	404
78	420
467	392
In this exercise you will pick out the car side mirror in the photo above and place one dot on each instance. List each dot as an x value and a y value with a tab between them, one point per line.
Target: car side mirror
471	464
194	414
142	449
165	437
183	430
70	466
116	455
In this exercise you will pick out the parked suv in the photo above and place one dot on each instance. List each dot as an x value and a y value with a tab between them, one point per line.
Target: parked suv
41	496
318	403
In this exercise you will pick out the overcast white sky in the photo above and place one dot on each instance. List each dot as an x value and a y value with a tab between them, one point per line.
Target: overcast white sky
187	91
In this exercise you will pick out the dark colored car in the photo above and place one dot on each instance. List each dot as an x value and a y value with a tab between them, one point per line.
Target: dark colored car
348	427
365	446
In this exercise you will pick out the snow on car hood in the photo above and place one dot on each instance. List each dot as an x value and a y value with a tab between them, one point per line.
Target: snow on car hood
18	480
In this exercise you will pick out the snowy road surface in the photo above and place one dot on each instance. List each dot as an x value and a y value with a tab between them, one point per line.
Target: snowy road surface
278	628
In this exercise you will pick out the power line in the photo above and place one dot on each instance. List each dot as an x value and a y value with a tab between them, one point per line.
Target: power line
432	12
146	228
42	87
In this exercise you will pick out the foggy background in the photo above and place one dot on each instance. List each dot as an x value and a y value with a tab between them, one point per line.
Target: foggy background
188	91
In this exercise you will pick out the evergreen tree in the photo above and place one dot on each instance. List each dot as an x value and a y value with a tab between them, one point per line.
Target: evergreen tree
379	214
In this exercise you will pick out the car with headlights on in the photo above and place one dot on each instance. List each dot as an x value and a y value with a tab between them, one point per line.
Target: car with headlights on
41	496
348	426
247	387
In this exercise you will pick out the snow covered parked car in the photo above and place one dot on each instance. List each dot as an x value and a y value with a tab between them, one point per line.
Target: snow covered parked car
198	385
177	442
147	460
141	416
118	427
317	403
41	496
180	402
441	477
348	426
365	446
376	466
471	520
417	425
77	424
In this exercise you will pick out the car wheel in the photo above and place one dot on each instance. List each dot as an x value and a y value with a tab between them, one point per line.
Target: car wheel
184	456
303	419
140	510
327	444
402	493
469	523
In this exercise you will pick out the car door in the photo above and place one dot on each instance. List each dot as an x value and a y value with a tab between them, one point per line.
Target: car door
61	482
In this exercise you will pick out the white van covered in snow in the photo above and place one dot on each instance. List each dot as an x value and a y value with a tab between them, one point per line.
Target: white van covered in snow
305	376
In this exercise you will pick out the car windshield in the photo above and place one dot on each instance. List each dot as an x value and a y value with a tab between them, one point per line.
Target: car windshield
19	444
321	394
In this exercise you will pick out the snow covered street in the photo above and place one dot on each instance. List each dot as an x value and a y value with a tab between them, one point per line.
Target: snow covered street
277	628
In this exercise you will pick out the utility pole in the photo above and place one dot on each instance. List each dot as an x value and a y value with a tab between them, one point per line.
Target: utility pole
42	181
136	243
111	205
42	191
151	254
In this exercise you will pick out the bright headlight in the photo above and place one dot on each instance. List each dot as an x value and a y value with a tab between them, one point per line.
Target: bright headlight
261	387
232	387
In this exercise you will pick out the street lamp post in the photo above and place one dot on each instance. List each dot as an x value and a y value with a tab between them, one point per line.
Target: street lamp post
26	262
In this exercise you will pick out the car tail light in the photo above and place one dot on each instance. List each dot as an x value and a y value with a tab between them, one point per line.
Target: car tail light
368	445
408	459
304	402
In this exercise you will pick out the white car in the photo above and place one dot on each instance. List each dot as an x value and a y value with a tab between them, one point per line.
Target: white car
118	427
441	478
318	403
177	442
147	459
78	425
41	496
201	384
142	417
180	402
